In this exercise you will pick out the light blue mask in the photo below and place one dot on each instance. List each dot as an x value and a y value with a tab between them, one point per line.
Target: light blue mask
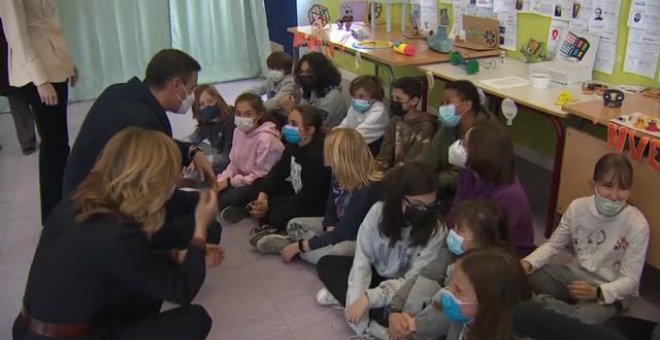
607	207
361	105
291	134
455	243
447	116
451	307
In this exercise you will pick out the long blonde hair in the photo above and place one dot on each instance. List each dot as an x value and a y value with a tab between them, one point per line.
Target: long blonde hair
225	109
348	155
132	179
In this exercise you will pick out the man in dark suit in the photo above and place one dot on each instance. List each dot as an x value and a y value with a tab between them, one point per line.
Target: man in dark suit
169	82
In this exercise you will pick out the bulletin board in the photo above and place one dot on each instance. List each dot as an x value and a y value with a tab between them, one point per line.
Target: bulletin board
537	27
581	153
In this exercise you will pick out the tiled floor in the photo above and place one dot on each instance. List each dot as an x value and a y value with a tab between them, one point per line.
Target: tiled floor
249	297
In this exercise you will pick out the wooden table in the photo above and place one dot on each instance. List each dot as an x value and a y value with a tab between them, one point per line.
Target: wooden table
595	111
382	57
538	100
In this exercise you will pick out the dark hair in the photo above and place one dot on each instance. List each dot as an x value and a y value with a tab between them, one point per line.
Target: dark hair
257	104
488	222
466	92
280	61
168	64
326	74
500	285
614	167
371	84
490	153
409	85
407	180
311	116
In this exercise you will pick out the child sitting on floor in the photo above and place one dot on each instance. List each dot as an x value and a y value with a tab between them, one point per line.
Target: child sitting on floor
367	113
609	237
279	83
479	224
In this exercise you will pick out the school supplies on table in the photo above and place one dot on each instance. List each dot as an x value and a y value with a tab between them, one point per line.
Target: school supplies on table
575	61
639	122
404	48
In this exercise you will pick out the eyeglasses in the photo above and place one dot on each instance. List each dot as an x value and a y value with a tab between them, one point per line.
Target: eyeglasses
421	206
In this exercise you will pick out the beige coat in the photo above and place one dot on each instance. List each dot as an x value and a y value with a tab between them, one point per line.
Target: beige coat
37	49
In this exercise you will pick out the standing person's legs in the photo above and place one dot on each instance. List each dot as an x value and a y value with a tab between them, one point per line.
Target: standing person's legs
23	118
190	322
52	127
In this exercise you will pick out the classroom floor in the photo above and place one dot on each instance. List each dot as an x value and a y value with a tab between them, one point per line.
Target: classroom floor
250	296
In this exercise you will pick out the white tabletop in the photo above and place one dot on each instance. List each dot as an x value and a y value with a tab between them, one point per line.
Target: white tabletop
538	99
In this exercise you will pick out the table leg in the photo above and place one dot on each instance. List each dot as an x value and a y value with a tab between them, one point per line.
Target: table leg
390	77
556	174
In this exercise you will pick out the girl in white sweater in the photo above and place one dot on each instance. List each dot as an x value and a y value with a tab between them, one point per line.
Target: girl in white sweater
609	238
397	238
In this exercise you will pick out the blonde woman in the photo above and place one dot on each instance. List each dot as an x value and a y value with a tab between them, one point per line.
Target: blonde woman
355	189
94	274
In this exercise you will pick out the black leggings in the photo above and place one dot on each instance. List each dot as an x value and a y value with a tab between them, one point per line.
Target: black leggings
333	270
284	208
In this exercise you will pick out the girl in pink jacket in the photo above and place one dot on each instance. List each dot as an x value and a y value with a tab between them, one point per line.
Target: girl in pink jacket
256	147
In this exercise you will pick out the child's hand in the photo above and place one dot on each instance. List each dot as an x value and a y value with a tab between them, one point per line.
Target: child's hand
583	290
288	103
357	309
289	252
527	267
399	325
220	186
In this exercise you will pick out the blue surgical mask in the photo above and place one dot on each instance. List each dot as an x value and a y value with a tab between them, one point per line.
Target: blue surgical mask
451	307
447	116
361	105
455	242
607	207
291	134
209	113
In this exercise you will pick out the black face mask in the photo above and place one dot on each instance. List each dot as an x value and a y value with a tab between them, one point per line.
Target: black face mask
307	81
416	217
397	109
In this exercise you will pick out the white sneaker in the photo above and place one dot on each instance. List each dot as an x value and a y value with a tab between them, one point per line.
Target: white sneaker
325	298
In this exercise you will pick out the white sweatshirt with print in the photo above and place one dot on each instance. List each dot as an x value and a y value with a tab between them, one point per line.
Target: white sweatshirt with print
609	250
398	263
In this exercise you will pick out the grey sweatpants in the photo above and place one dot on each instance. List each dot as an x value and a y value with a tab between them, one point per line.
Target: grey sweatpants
304	228
430	322
551	282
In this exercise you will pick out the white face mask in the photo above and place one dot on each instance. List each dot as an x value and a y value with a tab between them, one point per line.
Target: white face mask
457	155
185	103
275	75
245	124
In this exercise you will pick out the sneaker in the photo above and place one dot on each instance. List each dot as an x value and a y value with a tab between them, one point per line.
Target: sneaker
296	231
233	215
273	244
377	331
325	298
258	232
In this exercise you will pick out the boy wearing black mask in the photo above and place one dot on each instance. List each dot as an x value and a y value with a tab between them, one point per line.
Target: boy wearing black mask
409	131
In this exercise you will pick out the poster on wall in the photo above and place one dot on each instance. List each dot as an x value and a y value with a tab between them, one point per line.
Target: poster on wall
642	52
556	33
563	9
542	7
644	14
428	16
508	30
459	10
604	22
581	15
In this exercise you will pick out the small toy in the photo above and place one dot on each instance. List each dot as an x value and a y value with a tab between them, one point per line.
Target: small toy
613	98
653	126
532	52
590	87
403	48
471	66
563	98
346	19
439	42
372	44
652	92
640	123
318	16
415	13
359	34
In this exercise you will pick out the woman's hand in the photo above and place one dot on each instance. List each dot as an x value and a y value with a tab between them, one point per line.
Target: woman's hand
220	186
207	206
204	168
289	252
73	80
47	94
357	309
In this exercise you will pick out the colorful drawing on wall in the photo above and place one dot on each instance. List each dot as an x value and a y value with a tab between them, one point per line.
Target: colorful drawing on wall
574	46
318	16
349	12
